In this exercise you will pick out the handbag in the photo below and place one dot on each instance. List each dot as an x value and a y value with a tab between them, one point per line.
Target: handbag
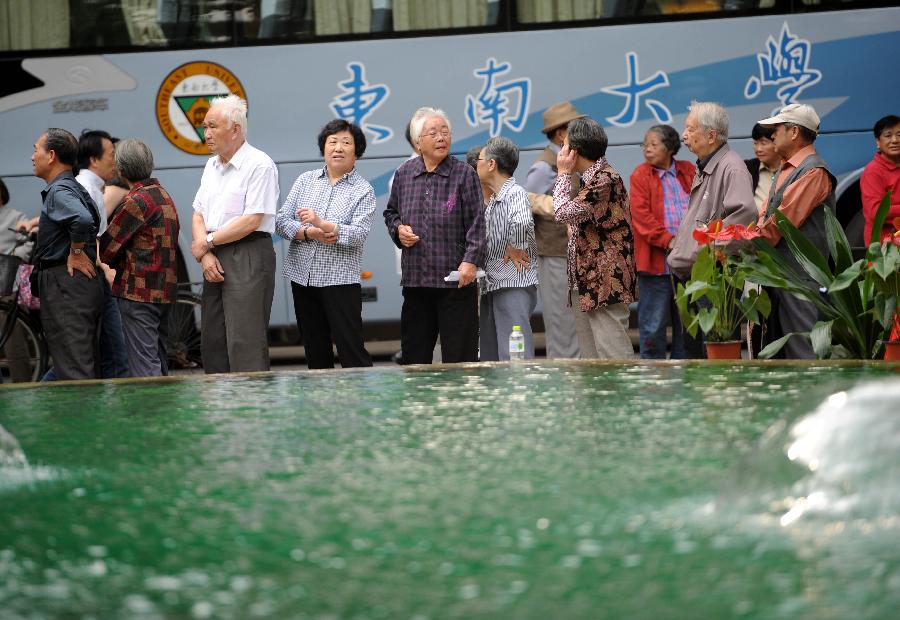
27	289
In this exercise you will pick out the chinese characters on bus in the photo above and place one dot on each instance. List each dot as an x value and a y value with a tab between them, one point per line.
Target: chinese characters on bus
498	103
785	63
359	100
634	90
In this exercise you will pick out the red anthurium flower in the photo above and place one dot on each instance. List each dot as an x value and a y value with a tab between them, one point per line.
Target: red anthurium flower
704	235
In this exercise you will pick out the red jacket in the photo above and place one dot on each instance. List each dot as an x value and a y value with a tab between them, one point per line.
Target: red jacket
651	239
879	176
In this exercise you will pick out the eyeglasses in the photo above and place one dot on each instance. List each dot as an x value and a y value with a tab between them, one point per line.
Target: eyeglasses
651	145
433	134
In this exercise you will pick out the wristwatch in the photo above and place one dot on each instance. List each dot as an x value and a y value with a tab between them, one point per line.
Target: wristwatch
209	241
77	251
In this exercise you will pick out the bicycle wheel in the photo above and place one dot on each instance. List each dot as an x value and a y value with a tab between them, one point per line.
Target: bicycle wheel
24	354
183	337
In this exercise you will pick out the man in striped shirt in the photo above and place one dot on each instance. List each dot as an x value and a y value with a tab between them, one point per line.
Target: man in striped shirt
509	293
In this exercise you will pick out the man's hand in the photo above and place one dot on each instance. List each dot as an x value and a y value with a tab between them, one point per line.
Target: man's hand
212	268
565	160
317	234
518	257
28	226
199	248
467	273
80	262
407	237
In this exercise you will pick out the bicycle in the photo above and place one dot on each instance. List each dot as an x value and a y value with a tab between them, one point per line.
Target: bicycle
23	349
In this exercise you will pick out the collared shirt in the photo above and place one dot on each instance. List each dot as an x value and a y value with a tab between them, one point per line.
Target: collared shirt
68	216
880	175
445	208
246	185
350	203
675	200
541	176
763	186
141	245
800	198
508	222
94	185
9	240
702	162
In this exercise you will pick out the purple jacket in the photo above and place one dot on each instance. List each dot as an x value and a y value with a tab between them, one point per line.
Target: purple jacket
445	209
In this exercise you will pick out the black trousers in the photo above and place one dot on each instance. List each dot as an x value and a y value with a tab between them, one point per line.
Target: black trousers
145	325
451	313
70	316
694	346
331	313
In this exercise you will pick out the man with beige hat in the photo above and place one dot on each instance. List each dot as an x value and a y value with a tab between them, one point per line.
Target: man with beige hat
551	237
802	187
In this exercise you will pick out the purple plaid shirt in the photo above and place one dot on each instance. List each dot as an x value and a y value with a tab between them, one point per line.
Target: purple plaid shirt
445	209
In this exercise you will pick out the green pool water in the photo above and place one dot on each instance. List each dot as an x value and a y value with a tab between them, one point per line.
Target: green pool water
552	490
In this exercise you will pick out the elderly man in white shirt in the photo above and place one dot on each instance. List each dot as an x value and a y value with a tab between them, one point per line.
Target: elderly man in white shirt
327	216
234	218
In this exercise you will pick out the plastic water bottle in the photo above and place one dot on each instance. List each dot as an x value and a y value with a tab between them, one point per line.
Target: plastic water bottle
516	344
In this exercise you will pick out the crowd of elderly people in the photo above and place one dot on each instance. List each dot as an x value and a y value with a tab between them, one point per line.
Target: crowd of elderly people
472	264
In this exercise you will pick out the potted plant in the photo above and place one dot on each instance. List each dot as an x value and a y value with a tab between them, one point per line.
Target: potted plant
713	299
883	267
854	317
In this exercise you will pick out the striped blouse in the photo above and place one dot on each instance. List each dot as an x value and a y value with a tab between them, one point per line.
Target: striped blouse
509	222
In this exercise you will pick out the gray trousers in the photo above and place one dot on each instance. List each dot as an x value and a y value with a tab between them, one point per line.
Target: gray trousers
70	316
796	315
604	333
235	313
559	320
145	327
500	310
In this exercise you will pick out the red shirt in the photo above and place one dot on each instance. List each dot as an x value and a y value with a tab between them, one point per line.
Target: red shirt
880	175
648	221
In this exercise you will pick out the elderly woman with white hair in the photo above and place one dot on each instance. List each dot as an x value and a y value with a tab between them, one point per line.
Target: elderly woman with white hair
140	243
234	218
509	292
435	215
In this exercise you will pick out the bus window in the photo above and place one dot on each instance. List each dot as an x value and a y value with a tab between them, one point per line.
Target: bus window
541	11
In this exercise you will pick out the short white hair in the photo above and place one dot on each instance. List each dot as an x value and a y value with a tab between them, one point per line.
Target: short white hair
234	109
711	115
418	121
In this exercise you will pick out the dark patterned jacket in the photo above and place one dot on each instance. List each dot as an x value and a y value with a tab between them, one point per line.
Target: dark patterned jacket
141	243
600	257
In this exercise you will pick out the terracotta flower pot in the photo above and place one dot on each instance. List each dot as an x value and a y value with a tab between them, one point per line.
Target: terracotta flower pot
728	350
892	351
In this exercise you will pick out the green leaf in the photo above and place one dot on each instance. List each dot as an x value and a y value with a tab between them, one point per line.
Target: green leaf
774	347
810	259
847	277
820	337
880	216
838	244
707	318
885	306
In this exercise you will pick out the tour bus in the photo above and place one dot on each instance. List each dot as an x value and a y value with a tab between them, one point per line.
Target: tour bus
148	69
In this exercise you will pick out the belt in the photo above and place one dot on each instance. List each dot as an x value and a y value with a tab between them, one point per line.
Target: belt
256	234
49	264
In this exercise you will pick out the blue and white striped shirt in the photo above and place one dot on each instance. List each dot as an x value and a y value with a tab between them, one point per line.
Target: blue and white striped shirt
509	222
350	202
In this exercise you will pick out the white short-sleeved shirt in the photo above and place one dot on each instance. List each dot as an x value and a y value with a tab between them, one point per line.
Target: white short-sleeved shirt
247	184
92	182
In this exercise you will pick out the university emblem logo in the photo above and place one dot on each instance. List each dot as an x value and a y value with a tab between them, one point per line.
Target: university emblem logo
183	100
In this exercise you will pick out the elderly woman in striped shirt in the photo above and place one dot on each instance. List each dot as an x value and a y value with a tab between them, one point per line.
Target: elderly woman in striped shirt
509	293
327	217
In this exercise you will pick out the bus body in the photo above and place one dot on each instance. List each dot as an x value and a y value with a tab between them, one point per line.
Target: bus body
629	77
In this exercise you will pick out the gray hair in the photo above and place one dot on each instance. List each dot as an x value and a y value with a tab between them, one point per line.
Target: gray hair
134	160
503	151
235	110
418	121
587	138
668	136
712	116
